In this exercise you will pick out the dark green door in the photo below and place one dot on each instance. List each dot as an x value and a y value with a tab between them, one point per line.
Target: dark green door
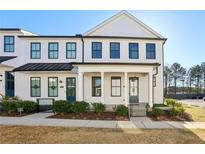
71	89
133	90
9	84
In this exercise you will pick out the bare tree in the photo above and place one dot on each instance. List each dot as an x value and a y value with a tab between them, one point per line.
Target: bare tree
167	77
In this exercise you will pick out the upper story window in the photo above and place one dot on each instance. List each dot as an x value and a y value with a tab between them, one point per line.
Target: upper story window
150	51
71	50
96	50
114	50
9	43
133	51
35	50
53	50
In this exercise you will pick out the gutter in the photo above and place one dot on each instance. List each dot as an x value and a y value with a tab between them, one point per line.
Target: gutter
154	75
83	46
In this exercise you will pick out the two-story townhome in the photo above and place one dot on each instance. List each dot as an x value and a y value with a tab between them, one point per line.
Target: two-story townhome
120	61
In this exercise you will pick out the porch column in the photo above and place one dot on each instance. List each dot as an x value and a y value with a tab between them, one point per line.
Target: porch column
126	89
80	86
102	87
150	90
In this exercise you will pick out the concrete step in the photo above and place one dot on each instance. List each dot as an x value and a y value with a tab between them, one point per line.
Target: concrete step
139	114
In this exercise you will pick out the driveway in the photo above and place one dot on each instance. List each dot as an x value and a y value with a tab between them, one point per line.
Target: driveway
194	102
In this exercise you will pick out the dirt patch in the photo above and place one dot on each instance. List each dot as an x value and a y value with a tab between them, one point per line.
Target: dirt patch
90	116
61	135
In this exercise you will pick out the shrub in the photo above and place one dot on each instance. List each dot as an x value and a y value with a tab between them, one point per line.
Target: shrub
6	98
99	107
61	106
171	102
174	112
156	112
121	110
80	107
28	106
9	106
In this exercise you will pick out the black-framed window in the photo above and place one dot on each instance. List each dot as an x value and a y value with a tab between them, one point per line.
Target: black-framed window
53	50
96	49
151	51
116	86
133	50
9	42
52	87
96	86
71	50
35	50
114	50
35	86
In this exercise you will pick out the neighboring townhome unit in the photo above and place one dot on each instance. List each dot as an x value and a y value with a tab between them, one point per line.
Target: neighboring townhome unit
120	61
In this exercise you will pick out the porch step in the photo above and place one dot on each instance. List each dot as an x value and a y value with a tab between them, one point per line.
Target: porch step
138	110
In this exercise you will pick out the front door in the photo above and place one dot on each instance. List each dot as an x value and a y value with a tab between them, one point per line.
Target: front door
133	90
9	84
71	89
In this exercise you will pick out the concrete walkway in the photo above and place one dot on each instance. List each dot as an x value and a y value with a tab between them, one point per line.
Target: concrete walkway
39	119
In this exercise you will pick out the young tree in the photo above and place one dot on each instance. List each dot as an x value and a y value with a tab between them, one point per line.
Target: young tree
177	71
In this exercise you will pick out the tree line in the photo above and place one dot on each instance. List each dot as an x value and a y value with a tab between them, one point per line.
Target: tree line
179	80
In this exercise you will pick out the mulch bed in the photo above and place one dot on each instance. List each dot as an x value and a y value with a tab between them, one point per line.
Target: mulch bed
165	117
13	114
90	116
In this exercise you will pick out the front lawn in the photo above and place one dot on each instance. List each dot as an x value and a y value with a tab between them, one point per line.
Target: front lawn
197	113
40	134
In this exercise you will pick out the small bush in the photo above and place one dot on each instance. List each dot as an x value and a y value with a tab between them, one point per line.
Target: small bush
121	110
99	107
28	106
156	112
6	98
80	107
171	102
174	112
9	106
62	106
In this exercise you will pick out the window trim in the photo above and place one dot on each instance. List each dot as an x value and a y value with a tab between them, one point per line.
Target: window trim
154	50
71	50
35	50
137	51
53	50
116	77
31	86
97	50
94	77
48	87
115	50
9	44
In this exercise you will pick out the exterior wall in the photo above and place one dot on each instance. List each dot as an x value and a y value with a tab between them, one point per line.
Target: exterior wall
22	84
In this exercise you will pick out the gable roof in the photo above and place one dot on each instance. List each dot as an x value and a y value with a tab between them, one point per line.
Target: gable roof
121	13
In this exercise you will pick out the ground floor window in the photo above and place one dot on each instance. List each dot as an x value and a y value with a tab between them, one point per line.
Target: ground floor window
116	86
52	87
35	87
96	86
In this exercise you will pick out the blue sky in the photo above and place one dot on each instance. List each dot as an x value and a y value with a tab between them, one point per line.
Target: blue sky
185	30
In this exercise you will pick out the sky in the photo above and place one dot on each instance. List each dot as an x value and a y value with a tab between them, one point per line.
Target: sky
185	30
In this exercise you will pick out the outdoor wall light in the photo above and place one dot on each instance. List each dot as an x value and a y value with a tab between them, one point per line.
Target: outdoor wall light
60	81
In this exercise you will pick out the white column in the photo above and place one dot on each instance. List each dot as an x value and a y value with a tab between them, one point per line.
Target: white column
150	90
126	89
102	87
80	86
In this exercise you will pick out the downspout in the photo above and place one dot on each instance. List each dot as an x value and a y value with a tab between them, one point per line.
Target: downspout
154	75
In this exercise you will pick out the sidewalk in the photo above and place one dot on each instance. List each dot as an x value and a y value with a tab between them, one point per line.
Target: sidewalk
39	119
